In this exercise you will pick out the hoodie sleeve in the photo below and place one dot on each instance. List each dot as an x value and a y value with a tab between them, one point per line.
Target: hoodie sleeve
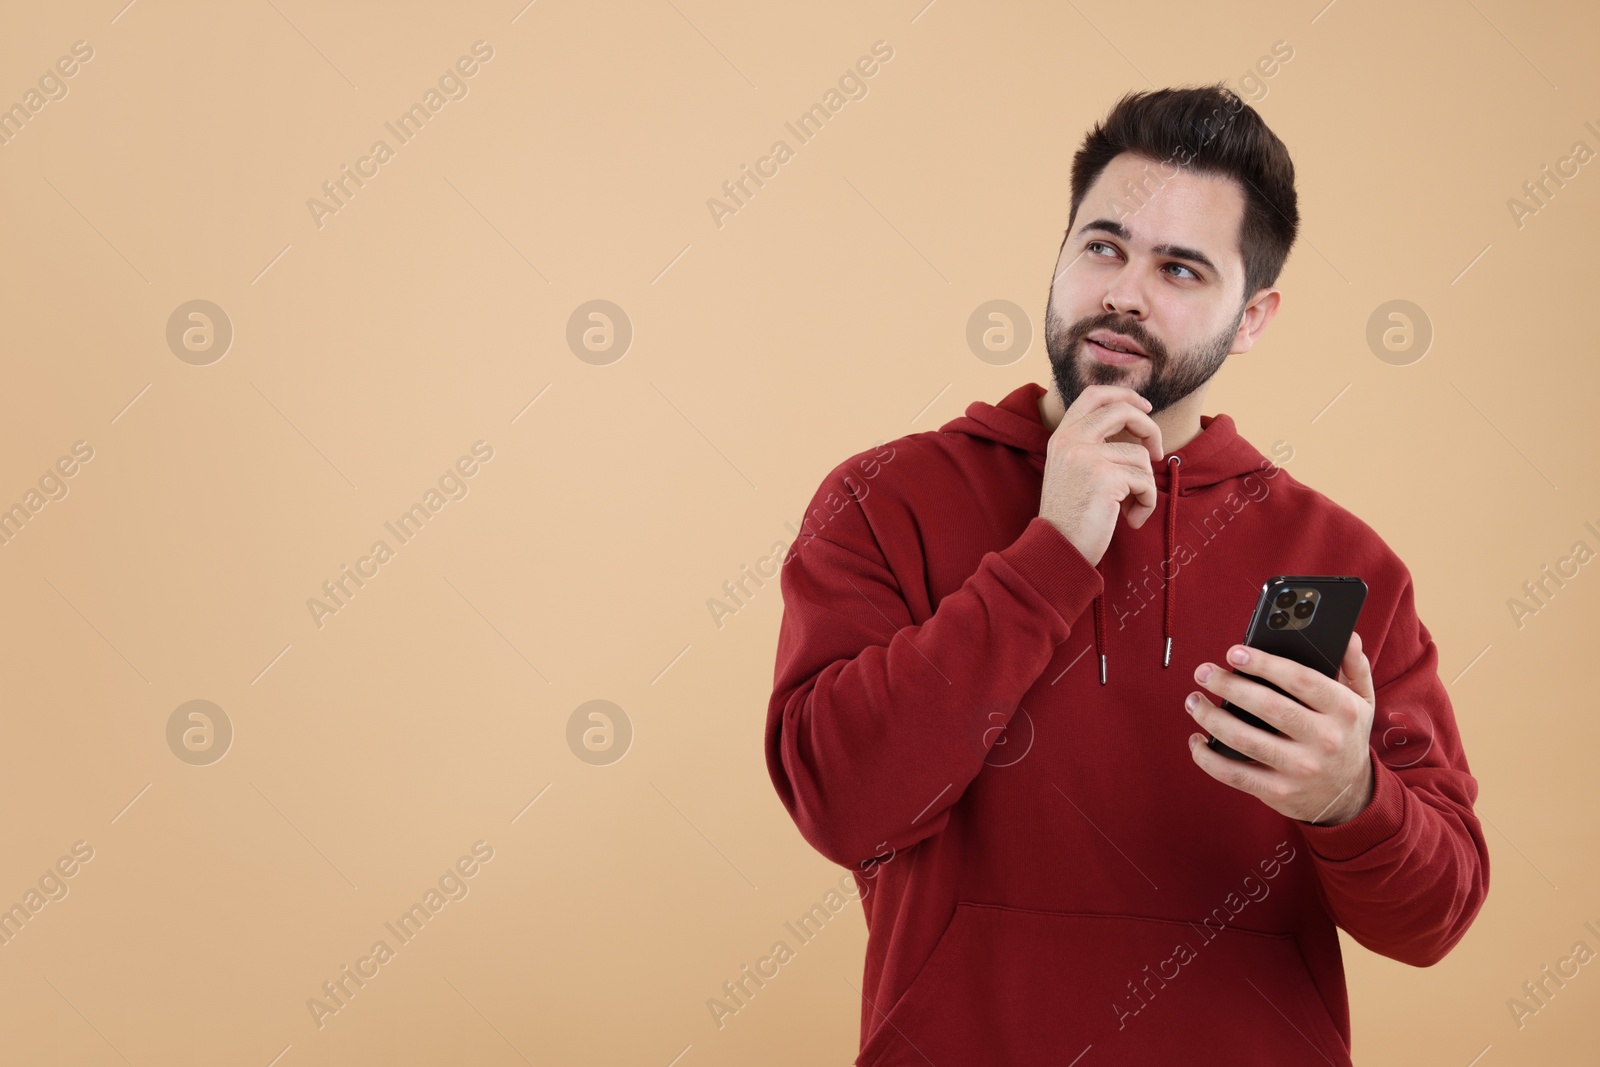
1407	876
878	721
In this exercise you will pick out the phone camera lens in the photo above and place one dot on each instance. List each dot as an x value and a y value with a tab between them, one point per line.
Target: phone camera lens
1285	598
1277	620
1303	609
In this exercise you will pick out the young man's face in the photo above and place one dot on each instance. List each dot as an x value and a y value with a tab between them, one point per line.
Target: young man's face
1167	276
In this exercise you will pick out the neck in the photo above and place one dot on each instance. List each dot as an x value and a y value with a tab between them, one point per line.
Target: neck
1179	424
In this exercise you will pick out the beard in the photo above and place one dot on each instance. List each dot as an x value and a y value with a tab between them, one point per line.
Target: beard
1170	378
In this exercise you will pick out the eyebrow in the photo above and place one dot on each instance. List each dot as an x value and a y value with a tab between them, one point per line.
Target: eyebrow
1116	229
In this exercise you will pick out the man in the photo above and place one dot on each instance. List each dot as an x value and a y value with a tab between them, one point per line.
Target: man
1053	863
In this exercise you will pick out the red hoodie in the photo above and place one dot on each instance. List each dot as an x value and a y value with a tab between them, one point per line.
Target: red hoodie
990	732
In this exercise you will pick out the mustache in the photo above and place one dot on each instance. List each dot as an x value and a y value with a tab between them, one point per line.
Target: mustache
1070	338
1131	331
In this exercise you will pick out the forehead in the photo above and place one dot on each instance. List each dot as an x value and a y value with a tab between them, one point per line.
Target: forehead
1153	209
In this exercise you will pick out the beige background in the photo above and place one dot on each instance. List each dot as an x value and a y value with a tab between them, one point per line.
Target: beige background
829	313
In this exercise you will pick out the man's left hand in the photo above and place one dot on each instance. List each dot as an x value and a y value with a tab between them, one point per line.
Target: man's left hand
1319	771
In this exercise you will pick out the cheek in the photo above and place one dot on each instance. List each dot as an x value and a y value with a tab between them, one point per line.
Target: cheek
1061	296
1057	317
1182	325
1068	303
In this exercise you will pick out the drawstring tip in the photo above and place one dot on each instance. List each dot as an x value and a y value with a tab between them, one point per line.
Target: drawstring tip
1167	658
1102	668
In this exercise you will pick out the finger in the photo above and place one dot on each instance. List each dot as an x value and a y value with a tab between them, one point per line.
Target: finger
1120	416
1134	457
1136	423
1312	688
1280	712
1237	734
1094	396
1230	772
1130	454
1138	500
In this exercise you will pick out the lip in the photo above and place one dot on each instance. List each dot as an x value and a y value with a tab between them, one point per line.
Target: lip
1106	355
1118	339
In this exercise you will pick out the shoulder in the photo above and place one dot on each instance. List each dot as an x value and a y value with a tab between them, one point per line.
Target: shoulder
841	507
883	496
1334	523
1341	542
895	468
855	476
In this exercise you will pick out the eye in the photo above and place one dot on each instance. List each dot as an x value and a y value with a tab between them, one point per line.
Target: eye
1090	247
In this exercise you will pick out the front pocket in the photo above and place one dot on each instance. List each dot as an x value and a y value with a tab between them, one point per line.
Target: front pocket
1020	986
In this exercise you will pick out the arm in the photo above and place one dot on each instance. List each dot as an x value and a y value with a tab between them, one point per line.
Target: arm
1407	876
877	722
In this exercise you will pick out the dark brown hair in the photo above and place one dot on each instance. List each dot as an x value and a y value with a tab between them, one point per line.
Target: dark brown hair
1211	130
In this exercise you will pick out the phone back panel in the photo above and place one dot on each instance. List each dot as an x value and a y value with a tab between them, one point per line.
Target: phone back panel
1320	645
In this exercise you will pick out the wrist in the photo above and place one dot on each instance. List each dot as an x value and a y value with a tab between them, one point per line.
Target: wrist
1364	792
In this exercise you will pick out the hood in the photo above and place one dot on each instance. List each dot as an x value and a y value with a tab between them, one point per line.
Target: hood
1216	454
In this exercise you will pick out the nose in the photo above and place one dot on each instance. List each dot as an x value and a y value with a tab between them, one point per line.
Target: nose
1125	293
1123	299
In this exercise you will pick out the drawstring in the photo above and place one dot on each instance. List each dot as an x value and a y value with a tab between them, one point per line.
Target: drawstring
1173	463
1100	634
1169	605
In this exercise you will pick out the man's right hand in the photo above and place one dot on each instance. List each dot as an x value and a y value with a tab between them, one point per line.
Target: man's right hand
1089	480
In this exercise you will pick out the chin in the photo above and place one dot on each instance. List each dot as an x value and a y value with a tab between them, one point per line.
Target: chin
1093	372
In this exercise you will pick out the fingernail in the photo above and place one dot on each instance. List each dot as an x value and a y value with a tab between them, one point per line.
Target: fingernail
1239	655
1203	672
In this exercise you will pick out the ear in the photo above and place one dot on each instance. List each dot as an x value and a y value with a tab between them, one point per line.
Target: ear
1260	311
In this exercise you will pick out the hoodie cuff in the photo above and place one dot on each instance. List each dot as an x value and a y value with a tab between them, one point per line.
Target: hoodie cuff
1054	566
1380	820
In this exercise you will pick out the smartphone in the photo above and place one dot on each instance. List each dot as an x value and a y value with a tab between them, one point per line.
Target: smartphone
1305	618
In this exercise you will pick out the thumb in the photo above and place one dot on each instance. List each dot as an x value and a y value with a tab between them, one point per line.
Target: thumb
1135	511
1355	671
